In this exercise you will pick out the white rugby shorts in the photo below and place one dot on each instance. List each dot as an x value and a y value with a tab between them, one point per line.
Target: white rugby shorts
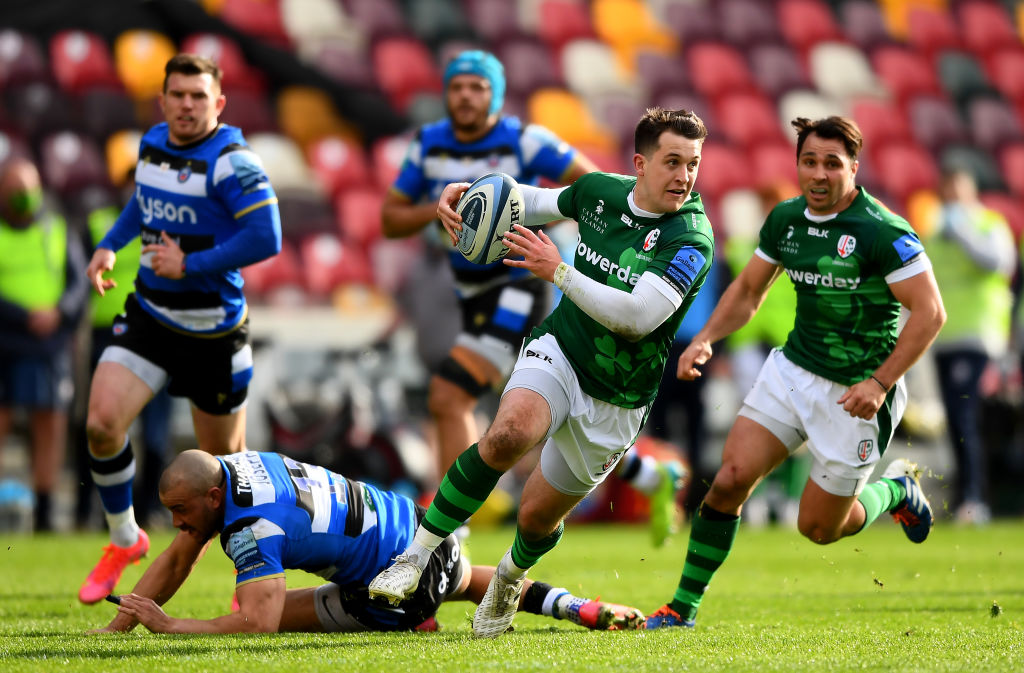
587	437
796	406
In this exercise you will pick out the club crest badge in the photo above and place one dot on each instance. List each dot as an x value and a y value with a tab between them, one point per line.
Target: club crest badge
864	449
651	240
846	245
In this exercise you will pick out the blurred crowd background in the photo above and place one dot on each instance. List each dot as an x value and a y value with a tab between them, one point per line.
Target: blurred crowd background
329	92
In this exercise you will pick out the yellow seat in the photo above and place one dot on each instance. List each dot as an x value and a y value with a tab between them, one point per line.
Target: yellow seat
897	13
306	114
628	25
566	115
922	211
140	57
122	151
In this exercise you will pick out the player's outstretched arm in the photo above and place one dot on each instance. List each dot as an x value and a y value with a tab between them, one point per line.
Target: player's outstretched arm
260	605
400	217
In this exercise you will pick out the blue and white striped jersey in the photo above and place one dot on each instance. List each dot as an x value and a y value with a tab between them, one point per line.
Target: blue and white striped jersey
435	158
281	513
213	198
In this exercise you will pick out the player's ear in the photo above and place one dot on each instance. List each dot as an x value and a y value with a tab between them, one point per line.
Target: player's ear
639	163
220	103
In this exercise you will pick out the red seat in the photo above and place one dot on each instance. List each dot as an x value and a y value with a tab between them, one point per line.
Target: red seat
268	275
21	59
562	21
863	24
718	68
690	21
338	163
904	168
747	119
747	22
358	212
376	18
490	19
529	65
986	26
935	122
69	162
258	18
805	23
993	123
774	161
777	69
722	169
404	68
932	30
388	155
904	72
327	262
880	122
1006	70
1011	161
225	52
82	60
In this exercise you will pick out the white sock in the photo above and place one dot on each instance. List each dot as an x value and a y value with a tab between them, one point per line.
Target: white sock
568	606
508	569
423	545
124	531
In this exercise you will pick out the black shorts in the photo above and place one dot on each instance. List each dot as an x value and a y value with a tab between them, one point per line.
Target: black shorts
212	372
438	581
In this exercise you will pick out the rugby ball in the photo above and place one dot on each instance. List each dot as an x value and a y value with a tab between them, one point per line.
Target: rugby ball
489	208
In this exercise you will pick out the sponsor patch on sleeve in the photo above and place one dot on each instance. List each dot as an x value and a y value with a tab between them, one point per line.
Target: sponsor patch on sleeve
684	268
908	246
248	170
244	551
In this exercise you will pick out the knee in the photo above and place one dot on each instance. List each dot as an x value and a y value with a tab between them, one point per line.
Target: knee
502	447
103	434
817	533
446	399
730	489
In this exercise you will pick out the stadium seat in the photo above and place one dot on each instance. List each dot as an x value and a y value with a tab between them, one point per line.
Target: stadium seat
326	263
140	57
13	146
904	72
70	161
529	65
345	64
741	213
388	154
565	113
904	168
236	75
986	26
747	120
311	23
306	114
358	215
1011	207
592	69
880	121
404	68
777	69
976	161
826	59
81	60
490	20
258	18
338	164
1011	161
21	59
658	72
39	108
250	111
628	26
270	276
722	169
1005	68
805	23
282	160
810	104
747	22
897	14
934	122
863	24
691	22
561	21
993	123
305	211
435	21
121	152
104	111
922	210
774	161
932	30
377	18
718	68
619	114
962	77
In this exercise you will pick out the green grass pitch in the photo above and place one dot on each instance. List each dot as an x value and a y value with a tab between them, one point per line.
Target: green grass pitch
874	602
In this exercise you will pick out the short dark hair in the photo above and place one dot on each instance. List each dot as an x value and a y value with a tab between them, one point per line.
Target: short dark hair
191	64
831	128
657	120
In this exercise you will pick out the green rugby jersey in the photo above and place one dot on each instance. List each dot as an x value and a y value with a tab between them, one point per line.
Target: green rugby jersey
846	317
615	247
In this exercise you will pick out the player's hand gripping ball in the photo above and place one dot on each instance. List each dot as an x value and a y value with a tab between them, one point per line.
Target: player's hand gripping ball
488	208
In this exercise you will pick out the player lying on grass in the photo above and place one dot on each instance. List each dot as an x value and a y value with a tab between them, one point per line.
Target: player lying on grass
274	513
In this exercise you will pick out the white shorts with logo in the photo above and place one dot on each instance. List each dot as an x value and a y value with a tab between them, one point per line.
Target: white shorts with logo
587	437
796	406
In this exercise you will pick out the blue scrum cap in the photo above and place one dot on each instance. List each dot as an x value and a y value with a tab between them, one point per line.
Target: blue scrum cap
485	65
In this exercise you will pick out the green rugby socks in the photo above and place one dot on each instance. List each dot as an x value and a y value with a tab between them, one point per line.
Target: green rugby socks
880	496
711	536
463	490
